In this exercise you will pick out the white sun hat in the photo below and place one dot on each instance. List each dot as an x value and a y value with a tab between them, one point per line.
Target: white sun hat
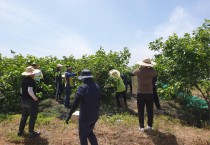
114	73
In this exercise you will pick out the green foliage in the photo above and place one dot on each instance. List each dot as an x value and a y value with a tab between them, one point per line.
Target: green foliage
184	63
11	69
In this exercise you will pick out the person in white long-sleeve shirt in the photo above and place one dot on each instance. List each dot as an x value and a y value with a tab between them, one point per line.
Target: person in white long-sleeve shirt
29	102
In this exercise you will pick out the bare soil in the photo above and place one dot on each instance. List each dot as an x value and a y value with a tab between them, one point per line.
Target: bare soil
167	131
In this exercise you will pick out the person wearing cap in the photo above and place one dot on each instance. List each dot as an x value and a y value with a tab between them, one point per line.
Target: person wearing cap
120	87
88	97
145	74
58	82
29	102
68	86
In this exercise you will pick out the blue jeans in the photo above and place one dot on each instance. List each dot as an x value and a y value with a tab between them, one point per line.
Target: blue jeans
67	97
86	132
29	109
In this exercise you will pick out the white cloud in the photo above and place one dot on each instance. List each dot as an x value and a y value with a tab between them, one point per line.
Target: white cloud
180	22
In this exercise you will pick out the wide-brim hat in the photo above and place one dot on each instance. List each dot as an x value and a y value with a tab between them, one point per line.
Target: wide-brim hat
146	62
59	65
30	71
86	73
114	73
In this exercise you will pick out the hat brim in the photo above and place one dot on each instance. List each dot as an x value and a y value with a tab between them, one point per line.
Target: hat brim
114	73
30	73
146	64
84	77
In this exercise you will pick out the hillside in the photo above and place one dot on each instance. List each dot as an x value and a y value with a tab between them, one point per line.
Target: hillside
112	129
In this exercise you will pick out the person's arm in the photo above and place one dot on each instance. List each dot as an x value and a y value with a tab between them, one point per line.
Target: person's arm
73	108
31	93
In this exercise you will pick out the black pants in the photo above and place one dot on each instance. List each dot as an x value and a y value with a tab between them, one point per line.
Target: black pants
29	109
86	132
156	98
59	90
130	85
142	100
117	97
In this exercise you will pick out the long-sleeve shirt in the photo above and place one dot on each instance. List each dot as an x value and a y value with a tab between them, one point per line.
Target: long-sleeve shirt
88	97
145	76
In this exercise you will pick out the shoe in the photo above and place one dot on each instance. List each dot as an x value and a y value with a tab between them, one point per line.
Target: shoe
34	134
141	129
20	133
149	128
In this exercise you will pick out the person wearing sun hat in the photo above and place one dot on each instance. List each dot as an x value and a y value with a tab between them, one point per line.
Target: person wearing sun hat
68	85
145	74
88	96
120	87
29	102
39	74
58	82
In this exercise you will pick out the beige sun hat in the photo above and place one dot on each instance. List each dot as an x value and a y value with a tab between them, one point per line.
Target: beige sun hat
30	71
114	73
146	62
59	65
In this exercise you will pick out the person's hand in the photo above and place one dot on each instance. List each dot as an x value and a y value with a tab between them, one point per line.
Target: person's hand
67	120
36	99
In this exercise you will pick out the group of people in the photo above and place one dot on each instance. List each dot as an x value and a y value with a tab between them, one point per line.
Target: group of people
88	97
64	81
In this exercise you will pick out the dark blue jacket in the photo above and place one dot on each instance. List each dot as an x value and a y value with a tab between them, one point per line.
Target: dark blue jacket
88	97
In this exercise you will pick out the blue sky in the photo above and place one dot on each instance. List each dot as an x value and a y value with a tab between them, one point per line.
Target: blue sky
77	27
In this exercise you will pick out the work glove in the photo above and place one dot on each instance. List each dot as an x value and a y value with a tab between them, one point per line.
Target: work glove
67	119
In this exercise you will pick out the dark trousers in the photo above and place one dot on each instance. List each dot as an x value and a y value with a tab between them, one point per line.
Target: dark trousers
117	97
59	90
130	85
67	97
142	100
29	109
86	132
156	98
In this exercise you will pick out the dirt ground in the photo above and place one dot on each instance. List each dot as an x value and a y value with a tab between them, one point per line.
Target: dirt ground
166	131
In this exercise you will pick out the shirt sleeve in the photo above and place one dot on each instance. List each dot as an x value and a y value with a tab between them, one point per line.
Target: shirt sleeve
135	72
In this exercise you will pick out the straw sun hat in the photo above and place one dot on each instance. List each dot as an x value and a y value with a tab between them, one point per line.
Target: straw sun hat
114	73
30	71
146	62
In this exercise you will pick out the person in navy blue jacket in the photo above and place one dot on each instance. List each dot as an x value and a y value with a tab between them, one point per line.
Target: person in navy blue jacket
88	98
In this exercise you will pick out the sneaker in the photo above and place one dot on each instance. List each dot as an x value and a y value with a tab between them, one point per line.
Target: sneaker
34	134
149	128
141	129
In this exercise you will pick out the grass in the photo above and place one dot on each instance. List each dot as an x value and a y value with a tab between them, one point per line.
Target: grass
111	129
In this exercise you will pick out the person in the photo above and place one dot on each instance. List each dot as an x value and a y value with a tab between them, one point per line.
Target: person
145	75
29	102
58	82
125	81
129	82
68	85
88	96
120	87
156	97
38	75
